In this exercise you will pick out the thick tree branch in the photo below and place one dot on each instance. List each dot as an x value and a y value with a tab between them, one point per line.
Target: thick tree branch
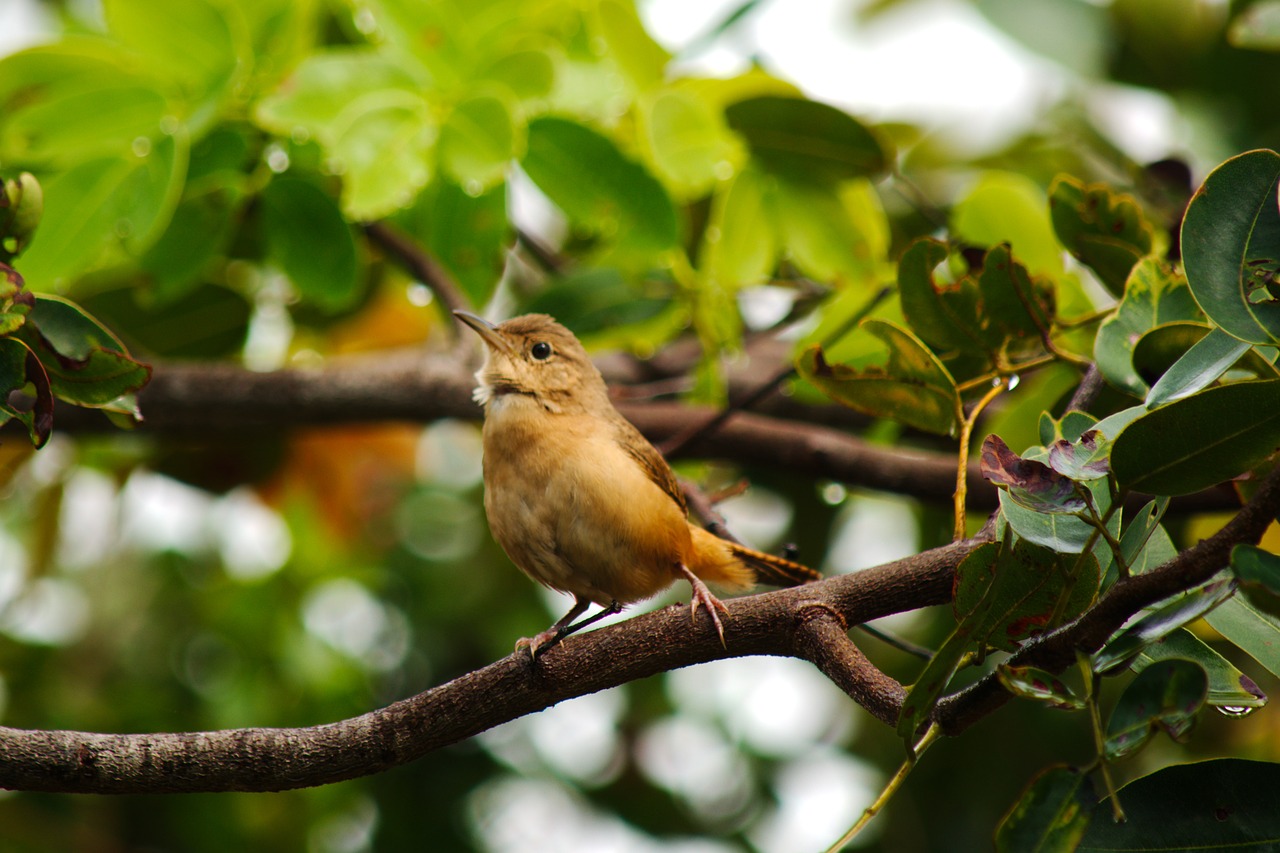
262	759
823	640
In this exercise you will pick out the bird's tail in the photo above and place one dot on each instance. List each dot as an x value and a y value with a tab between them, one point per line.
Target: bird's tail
739	567
769	569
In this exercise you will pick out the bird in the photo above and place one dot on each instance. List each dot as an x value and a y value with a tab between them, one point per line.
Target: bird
580	501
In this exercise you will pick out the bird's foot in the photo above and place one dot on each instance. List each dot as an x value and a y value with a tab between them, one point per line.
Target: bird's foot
539	644
703	597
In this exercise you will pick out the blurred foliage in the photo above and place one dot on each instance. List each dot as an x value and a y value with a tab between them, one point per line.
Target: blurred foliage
189	181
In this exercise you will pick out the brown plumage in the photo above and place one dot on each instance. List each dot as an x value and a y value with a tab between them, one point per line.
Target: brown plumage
578	498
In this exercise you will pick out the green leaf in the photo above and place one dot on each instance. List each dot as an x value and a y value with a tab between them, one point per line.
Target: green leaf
479	140
819	235
74	101
1153	295
1184	609
528	74
1004	207
1062	532
1004	594
197	234
1199	441
597	300
469	235
1023	591
1166	695
740	245
597	187
1199	367
689	144
805	140
1258	573
104	204
1039	686
369	116
1256	632
310	242
1223	804
1257	27
1086	459
191	43
1103	229
912	388
1145	543
1161	348
1051	816
86	364
1229	688
165	328
1231	246
641	60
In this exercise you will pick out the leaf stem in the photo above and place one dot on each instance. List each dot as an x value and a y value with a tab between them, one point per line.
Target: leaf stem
1091	680
962	463
931	735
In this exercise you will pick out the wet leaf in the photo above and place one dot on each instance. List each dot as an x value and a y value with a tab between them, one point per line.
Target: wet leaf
1228	686
1165	696
1039	686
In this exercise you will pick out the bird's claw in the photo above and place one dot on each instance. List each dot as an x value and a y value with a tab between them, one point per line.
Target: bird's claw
703	597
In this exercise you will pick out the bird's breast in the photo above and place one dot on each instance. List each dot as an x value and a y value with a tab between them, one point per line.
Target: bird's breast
574	510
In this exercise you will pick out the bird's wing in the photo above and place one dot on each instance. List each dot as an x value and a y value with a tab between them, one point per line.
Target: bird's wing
649	460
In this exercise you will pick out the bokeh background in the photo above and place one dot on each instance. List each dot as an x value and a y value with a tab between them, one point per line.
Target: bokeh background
153	583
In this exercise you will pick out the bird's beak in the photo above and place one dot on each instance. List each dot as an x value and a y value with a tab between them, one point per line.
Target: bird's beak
486	330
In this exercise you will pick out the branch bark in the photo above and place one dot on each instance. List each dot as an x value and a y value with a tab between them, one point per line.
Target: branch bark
271	759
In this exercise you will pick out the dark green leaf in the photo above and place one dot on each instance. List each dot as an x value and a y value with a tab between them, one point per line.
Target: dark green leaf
469	235
1258	573
1185	609
85	363
308	238
1051	816
18	367
1199	367
197	233
1201	440
597	187
1104	229
1256	632
1145	543
1004	594
1224	804
1153	295
1022	591
1166	695
1231	246
594	301
806	140
912	388
1229	688
207	321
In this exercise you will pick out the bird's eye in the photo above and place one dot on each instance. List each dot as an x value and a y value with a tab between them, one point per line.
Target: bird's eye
541	351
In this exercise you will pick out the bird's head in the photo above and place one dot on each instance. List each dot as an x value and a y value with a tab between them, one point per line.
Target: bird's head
534	356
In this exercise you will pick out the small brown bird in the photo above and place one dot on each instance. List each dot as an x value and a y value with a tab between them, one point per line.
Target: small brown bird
578	498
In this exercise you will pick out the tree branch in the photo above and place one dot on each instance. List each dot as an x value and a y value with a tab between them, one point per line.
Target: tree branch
271	759
1056	651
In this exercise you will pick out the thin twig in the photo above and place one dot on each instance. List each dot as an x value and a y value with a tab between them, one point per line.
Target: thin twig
420	264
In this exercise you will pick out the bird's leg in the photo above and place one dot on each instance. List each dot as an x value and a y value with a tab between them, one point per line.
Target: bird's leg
564	627
702	596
